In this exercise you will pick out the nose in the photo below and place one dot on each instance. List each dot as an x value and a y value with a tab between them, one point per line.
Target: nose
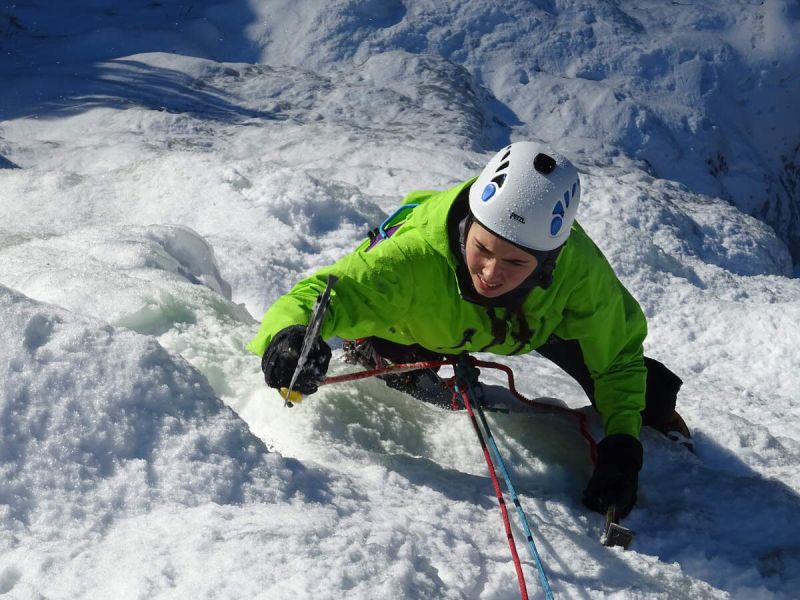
490	270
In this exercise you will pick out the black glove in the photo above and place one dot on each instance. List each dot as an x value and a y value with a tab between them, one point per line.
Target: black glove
280	361
616	475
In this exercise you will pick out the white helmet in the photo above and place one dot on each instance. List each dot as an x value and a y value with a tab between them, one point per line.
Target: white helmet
528	196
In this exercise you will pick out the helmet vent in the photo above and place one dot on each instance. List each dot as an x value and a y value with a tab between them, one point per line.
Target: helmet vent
505	156
500	180
503	166
544	164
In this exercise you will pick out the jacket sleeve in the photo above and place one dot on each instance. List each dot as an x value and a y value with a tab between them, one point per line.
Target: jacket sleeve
375	289
610	327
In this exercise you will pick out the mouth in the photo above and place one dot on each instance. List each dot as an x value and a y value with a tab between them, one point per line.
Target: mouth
485	285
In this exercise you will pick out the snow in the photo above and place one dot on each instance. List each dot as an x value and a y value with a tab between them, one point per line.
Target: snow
168	170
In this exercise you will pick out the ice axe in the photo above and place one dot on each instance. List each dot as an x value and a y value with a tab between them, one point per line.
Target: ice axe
615	534
312	331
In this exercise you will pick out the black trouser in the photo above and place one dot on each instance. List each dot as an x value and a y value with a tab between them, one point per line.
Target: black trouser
662	384
400	353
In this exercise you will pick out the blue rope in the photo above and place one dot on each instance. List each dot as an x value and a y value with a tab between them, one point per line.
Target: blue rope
548	592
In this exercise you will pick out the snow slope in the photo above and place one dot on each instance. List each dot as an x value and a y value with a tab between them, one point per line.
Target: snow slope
167	170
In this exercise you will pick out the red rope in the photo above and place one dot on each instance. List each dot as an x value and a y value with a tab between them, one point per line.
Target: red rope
523	590
399	368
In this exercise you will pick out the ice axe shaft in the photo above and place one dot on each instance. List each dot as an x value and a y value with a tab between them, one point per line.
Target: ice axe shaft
312	331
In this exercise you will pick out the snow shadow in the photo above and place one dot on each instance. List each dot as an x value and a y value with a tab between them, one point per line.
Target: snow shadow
722	521
71	57
7	164
127	83
451	483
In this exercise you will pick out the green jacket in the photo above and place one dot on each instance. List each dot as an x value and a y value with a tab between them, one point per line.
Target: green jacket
405	290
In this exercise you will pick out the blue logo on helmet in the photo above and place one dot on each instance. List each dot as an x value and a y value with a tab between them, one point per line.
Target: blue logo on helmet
488	192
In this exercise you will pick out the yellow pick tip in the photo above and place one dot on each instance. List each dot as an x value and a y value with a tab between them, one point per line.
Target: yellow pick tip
291	396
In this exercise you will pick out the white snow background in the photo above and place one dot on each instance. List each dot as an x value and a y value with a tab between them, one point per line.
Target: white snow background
168	169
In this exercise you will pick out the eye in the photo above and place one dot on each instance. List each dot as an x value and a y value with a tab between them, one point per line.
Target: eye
515	262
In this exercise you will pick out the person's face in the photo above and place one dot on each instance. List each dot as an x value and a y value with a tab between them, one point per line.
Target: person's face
495	265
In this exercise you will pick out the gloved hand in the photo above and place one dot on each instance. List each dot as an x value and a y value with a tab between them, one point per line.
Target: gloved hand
280	360
616	475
